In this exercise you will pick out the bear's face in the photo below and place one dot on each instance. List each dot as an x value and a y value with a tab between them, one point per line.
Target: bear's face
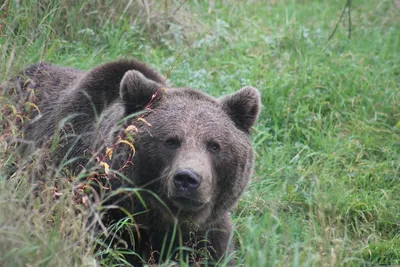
194	151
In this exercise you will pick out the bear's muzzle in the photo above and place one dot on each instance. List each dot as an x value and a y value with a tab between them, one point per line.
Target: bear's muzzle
186	180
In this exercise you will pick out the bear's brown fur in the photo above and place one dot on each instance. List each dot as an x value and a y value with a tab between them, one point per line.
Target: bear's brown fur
192	151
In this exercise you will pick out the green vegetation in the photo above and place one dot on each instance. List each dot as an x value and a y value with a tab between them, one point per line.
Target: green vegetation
326	186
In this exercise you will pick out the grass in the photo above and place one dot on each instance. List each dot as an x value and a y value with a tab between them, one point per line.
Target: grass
326	185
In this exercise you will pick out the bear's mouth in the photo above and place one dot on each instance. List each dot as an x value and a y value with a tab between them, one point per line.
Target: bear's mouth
186	203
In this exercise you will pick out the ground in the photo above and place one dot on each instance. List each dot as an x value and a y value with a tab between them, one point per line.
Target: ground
326	186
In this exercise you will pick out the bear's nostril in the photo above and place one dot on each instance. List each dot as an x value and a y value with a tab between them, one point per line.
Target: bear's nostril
186	180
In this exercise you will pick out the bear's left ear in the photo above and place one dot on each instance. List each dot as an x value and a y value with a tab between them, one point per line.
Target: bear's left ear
243	107
136	91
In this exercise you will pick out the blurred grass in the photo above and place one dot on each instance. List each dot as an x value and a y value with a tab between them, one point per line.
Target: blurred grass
326	187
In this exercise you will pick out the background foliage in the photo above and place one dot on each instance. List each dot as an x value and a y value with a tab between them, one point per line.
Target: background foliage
326	187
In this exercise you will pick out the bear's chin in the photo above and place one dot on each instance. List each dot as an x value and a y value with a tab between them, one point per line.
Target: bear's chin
196	215
185	204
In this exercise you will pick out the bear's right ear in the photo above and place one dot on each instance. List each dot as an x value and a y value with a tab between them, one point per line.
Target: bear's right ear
243	107
136	91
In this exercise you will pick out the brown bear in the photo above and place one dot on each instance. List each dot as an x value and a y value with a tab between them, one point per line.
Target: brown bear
188	153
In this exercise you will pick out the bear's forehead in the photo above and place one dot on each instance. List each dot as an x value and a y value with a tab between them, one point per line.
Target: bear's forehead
194	105
191	111
187	94
196	110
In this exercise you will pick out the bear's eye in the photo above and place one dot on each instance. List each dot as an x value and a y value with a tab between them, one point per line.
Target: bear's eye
213	146
172	143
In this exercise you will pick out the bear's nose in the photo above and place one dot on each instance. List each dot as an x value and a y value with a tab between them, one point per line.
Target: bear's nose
186	179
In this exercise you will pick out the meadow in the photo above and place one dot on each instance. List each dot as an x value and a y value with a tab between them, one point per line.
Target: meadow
326	184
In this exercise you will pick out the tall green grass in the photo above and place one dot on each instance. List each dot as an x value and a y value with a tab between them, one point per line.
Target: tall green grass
326	186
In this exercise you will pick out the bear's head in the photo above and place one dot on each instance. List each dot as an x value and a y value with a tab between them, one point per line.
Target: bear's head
194	151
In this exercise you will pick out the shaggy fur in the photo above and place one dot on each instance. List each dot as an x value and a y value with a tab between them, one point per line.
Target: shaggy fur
191	150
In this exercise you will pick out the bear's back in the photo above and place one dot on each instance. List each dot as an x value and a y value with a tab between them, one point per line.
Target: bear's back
49	79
